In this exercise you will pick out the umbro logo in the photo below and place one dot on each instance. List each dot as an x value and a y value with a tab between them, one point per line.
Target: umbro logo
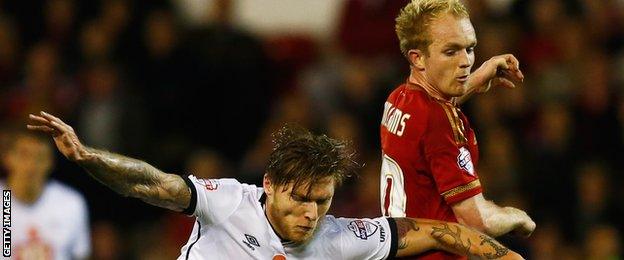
251	241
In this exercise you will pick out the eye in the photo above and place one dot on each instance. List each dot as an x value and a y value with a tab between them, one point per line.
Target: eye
470	49
449	52
297	198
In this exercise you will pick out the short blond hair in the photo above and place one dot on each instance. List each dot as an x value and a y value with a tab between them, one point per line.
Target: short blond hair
413	21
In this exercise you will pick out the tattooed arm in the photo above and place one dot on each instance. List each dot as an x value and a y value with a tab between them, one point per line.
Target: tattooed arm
416	236
126	176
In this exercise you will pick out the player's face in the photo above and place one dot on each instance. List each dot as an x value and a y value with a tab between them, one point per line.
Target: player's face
451	54
29	159
294	213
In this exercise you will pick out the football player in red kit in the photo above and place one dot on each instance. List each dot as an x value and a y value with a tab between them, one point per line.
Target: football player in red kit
429	150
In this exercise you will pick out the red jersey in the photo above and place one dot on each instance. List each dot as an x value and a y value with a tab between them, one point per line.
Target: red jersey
429	158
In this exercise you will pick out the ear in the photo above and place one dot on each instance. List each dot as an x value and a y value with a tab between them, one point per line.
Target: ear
416	58
267	185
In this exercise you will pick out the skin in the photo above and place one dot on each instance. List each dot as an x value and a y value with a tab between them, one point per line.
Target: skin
450	56
444	69
28	163
294	214
492	219
419	235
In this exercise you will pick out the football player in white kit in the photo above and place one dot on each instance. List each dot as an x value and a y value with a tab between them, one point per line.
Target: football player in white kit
285	219
49	219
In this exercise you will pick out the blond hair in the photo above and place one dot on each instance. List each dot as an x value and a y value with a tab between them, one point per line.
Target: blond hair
413	21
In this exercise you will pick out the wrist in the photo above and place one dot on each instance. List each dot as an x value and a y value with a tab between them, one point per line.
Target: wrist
86	155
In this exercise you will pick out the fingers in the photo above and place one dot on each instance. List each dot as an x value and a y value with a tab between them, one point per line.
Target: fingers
503	82
50	118
38	119
514	67
41	128
56	122
46	124
507	65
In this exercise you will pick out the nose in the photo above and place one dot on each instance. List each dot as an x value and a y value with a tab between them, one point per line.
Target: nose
311	211
465	59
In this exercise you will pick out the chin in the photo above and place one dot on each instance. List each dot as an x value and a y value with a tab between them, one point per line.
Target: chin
300	238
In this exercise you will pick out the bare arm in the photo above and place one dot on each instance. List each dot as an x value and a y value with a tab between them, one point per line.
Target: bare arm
126	176
498	71
491	219
420	235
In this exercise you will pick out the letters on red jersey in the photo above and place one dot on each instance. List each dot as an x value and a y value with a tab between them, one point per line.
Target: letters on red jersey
429	156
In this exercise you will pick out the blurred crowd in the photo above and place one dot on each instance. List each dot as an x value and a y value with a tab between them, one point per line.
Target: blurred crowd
202	98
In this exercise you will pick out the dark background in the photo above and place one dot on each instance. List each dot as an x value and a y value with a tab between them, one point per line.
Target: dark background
202	96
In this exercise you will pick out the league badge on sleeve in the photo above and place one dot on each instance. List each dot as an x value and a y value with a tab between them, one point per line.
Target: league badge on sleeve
209	184
464	161
362	228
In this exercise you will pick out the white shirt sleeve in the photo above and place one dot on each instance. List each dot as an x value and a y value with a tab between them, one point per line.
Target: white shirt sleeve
367	238
81	249
213	200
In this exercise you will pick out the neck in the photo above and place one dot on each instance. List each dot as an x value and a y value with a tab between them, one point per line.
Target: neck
419	78
24	189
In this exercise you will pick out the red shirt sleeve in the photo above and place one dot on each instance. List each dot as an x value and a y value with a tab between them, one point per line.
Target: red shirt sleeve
448	155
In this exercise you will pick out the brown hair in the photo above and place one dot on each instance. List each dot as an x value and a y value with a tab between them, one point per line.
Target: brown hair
302	158
10	136
412	24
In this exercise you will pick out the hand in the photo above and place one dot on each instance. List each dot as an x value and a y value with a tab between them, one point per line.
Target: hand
64	136
498	71
526	226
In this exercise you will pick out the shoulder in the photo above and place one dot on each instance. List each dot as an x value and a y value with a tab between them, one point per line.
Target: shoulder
358	238
442	114
214	200
356	228
220	191
219	184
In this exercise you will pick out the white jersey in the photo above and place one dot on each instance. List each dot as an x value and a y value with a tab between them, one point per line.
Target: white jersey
231	224
55	226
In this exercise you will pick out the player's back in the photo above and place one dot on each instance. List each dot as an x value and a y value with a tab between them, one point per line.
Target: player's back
427	162
405	170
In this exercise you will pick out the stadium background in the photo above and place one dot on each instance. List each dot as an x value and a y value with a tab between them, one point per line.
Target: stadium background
197	86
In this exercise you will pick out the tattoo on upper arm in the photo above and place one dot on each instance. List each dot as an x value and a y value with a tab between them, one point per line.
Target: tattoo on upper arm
500	249
453	238
404	225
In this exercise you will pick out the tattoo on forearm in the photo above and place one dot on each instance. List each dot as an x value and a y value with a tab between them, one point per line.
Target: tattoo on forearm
452	238
403	227
120	173
500	249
